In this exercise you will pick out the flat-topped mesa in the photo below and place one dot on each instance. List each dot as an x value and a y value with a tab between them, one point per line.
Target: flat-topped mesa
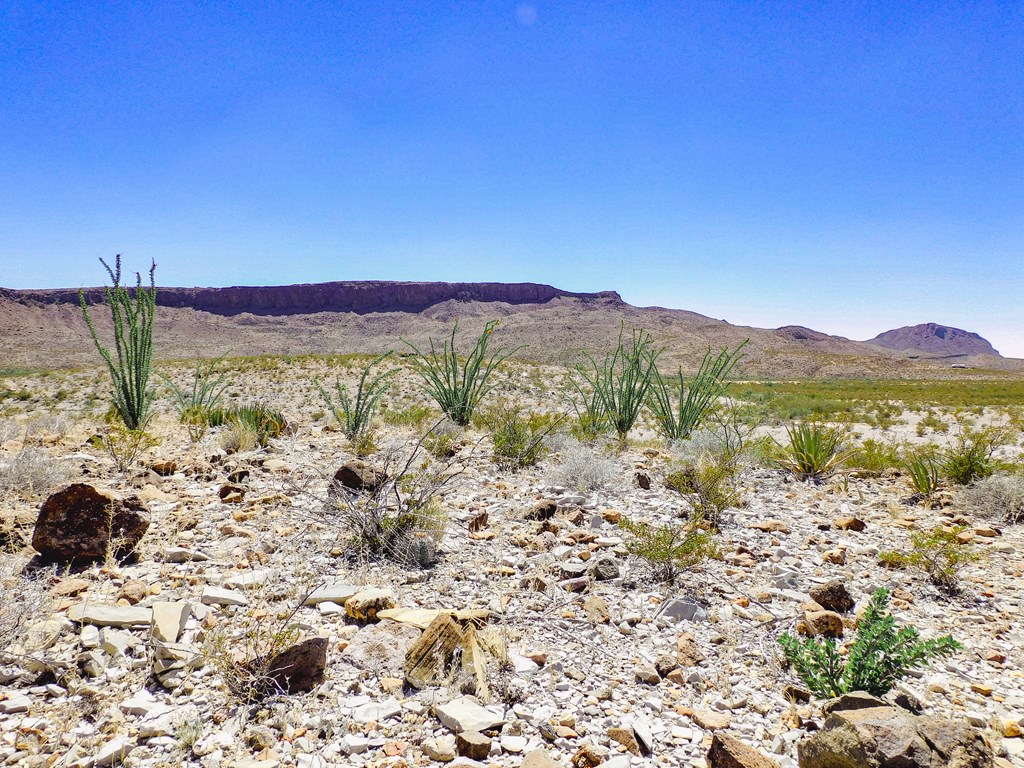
361	297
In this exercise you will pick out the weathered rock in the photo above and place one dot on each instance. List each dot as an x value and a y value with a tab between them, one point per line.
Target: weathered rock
364	605
729	752
133	591
711	721
473	745
300	667
833	596
169	621
110	615
381	647
221	596
605	569
889	737
465	714
543	510
357	475
334	592
646	672
539	758
80	523
441	749
824	623
687	652
849	523
626	738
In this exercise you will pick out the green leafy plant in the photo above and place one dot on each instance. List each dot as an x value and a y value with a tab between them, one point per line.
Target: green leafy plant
671	548
125	446
939	553
194	405
355	415
710	484
872	457
261	420
814	452
616	388
458	387
416	416
518	440
133	314
970	458
879	656
679	407
924	473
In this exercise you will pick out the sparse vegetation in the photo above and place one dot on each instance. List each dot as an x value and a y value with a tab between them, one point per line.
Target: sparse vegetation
879	656
670	548
710	484
126	446
583	469
133	317
1000	496
971	458
258	419
924	473
355	414
680	407
814	452
517	438
939	553
195	405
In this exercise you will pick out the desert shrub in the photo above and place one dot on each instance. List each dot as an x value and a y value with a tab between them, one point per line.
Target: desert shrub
938	553
261	420
875	456
813	452
133	314
971	457
518	439
616	388
710	483
416	416
458	387
126	446
581	468
924	472
680	407
32	472
884	415
195	404
670	548
243	650
239	437
444	439
355	414
1000	496
25	600
932	422
879	656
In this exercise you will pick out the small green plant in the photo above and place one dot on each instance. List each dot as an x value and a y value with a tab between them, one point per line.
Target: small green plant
671	548
263	421
872	457
615	389
680	407
814	452
133	314
194	405
443	440
125	446
355	415
879	656
518	440
710	483
416	416
939	553
458	387
970	458
924	473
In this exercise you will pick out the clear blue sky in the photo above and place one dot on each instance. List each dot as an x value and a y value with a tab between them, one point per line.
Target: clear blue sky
847	166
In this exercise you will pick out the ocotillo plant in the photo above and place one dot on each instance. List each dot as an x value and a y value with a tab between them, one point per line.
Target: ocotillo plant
133	313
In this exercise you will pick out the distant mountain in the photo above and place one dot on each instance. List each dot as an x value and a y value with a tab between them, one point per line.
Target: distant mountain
934	339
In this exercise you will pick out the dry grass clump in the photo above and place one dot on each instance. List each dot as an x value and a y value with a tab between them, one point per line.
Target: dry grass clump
25	600
31	472
999	496
583	469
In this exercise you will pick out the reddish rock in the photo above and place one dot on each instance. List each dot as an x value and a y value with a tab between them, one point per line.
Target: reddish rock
301	667
729	752
80	523
356	475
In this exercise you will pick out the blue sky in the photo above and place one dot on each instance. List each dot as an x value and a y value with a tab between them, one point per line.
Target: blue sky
847	166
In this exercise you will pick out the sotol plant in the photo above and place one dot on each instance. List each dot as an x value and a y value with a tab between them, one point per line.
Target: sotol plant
133	313
878	657
813	453
355	414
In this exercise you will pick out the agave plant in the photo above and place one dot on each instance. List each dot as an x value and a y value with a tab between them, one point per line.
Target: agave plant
814	452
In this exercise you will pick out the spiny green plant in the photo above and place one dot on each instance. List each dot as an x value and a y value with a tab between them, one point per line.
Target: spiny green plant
194	405
814	451
458	387
924	473
879	656
133	314
355	415
616	388
125	446
939	553
262	420
671	548
680	407
517	439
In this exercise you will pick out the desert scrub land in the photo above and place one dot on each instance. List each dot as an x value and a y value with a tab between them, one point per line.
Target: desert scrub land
524	588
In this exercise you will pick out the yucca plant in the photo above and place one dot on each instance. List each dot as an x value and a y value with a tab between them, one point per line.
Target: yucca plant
679	407
264	421
814	452
879	656
355	414
924	473
194	405
617	387
459	386
133	314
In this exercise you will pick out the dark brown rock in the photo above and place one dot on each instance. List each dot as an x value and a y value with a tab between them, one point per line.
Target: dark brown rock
473	744
80	523
301	667
833	596
643	480
729	752
543	510
356	475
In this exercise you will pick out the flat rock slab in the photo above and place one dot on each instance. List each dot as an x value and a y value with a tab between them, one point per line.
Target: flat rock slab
332	593
421	618
111	615
222	596
465	714
169	621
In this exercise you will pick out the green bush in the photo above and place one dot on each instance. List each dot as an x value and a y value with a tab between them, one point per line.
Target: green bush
263	421
133	314
874	456
938	553
355	415
518	440
970	458
710	483
670	548
458	387
681	407
416	416
814	452
876	660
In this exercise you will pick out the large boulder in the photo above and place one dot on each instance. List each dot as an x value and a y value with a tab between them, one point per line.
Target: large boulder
81	523
833	596
358	476
889	737
300	667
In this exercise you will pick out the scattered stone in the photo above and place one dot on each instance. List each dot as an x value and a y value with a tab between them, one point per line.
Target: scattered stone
833	596
80	523
381	647
587	756
110	615
711	721
466	714
14	703
364	605
626	738
70	587
539	758
441	749
824	623
646	672
729	752
834	556
300	667
770	526
849	524
683	610
605	569
133	591
169	621
221	596
543	510
687	652
358	476
113	752
597	610
473	744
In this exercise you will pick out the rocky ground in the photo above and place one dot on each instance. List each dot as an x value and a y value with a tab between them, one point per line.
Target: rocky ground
579	655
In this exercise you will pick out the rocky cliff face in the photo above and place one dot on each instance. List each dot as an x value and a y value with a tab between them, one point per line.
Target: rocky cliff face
361	297
934	339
